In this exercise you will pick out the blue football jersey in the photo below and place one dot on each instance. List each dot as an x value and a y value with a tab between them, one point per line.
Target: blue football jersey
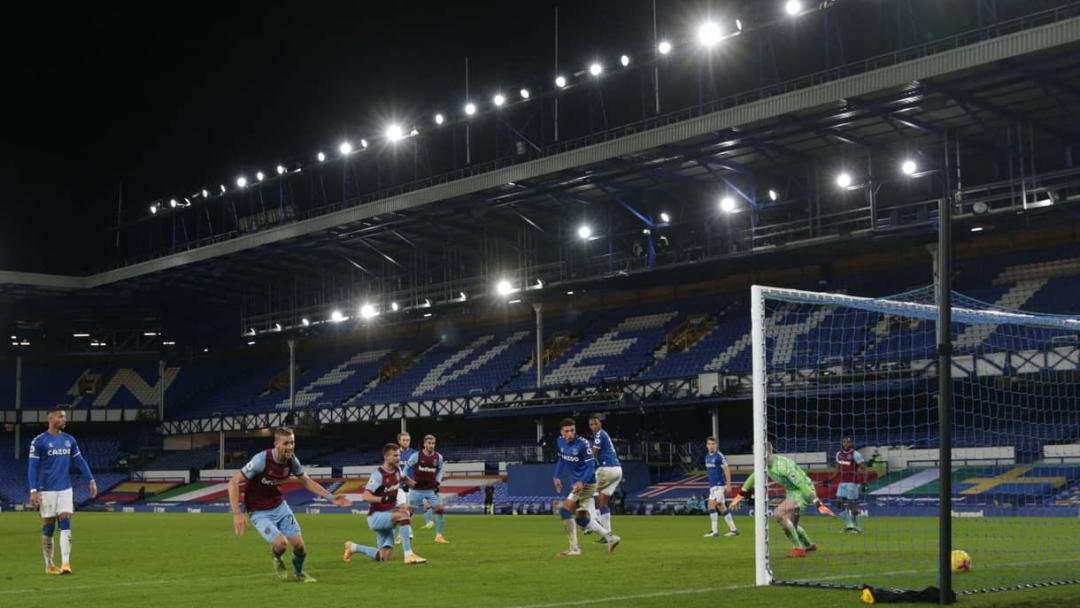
50	462
577	456
714	466
606	456
406	454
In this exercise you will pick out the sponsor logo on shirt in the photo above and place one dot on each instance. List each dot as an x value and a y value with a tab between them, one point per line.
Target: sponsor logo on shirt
58	452
427	469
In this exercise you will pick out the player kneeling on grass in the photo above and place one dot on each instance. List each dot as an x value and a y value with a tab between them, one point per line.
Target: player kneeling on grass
574	453
719	481
384	513
424	475
799	491
266	506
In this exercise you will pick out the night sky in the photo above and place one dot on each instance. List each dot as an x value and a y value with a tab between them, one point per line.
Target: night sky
171	98
166	101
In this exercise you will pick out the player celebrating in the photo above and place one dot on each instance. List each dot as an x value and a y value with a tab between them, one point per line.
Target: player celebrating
719	481
574	453
404	440
384	513
269	513
424	474
799	491
608	471
49	475
851	464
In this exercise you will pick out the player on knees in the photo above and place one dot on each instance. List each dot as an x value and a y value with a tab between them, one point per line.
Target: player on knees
266	507
381	494
49	473
799	492
575	455
424	475
719	475
608	472
851	465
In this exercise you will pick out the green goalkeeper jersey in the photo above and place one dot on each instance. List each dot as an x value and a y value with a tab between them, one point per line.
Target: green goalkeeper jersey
785	472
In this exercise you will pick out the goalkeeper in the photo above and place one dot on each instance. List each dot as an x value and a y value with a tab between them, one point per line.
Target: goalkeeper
799	492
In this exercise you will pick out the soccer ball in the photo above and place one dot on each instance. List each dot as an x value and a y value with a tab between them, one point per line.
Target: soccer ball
961	561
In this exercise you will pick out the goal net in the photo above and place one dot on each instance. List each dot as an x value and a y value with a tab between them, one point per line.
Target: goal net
830	366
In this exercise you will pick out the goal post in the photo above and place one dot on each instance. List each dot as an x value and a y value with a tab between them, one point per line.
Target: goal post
827	366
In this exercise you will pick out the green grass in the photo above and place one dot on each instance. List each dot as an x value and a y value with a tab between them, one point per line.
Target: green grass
173	560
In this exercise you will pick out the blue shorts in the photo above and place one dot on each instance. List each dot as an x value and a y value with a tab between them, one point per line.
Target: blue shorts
417	498
382	524
848	491
272	522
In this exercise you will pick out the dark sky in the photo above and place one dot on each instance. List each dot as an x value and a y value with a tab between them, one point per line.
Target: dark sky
171	98
168	97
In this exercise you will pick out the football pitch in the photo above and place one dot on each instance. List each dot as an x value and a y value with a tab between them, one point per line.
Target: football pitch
170	560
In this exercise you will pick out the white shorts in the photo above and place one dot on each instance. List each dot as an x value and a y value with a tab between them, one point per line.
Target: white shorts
717	494
55	503
608	479
584	498
402	497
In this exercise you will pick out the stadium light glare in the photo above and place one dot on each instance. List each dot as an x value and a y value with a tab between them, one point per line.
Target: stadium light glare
363	144
337	316
241	182
596	69
153	209
664	47
525	93
321	156
977	229
172	203
414	132
539	284
345	148
499	100
793	7
251	343
394	306
280	170
560	81
709	34
727	204
909	167
205	193
843	180
259	175
305	322
222	186
463	296
277	326
664	217
470	109
427	303
394	133
624	60
427	315
368	311
504	288
72	335
584	232
439	119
